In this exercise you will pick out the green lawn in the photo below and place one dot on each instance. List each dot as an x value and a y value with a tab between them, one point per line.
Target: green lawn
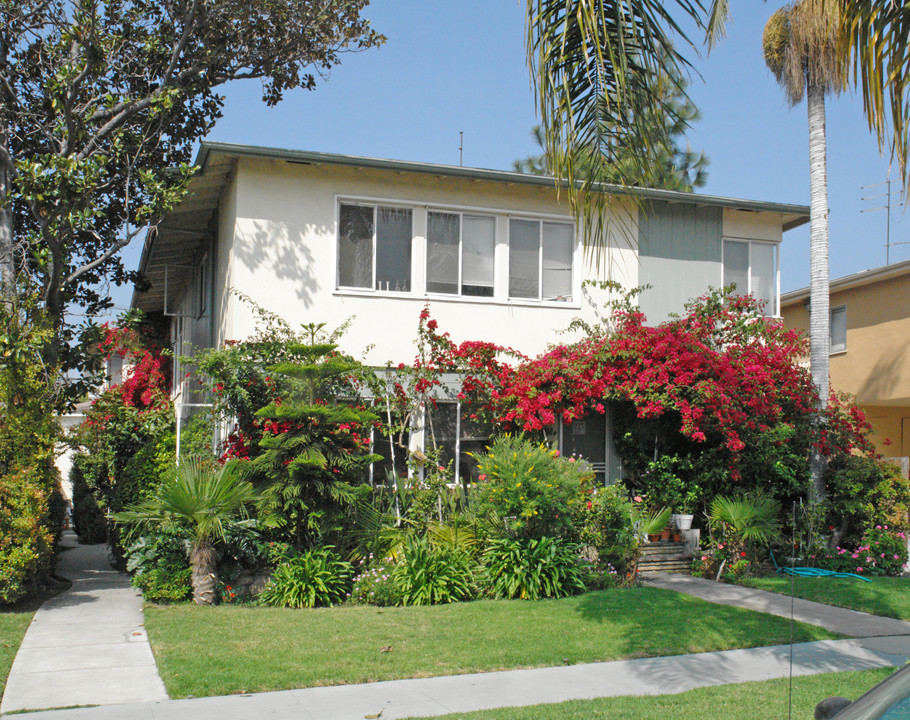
748	701
887	596
226	649
13	624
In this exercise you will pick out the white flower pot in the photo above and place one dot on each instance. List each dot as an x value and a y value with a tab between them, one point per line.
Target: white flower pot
682	521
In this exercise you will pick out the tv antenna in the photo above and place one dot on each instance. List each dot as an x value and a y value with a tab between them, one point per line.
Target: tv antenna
461	148
882	201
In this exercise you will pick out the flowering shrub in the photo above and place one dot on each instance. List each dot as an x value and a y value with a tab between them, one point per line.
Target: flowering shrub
722	561
864	492
705	388
528	487
600	576
882	552
375	586
604	517
122	420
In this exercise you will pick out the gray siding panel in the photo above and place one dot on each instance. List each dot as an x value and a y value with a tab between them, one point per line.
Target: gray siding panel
680	252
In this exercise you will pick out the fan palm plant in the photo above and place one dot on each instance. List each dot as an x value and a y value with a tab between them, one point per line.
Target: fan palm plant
202	499
746	521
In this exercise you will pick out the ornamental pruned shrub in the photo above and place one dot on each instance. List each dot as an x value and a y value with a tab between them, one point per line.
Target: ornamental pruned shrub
31	511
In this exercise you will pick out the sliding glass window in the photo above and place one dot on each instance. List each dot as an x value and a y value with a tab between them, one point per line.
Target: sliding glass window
460	251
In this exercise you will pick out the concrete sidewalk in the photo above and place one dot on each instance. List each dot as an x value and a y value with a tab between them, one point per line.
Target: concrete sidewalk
464	693
875	642
86	646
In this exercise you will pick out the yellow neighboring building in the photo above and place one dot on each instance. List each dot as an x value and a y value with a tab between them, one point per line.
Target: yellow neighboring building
870	347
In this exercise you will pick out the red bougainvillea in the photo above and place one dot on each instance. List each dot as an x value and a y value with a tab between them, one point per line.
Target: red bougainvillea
722	369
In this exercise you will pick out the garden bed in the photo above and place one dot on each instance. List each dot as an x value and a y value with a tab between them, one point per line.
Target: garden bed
229	649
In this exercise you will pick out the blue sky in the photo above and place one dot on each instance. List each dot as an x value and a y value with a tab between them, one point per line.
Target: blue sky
449	67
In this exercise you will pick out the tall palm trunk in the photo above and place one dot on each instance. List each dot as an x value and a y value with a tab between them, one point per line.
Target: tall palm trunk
202	561
819	319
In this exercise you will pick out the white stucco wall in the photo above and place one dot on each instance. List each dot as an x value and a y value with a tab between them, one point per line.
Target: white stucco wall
278	244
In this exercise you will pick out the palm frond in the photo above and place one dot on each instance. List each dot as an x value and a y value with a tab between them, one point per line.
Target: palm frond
198	497
876	38
596	66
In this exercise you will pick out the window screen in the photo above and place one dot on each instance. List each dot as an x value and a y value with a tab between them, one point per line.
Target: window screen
355	246
524	259
839	329
393	249
557	261
736	266
478	246
442	252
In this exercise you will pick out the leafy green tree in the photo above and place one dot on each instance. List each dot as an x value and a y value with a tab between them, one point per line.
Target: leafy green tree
101	103
203	500
315	443
31	507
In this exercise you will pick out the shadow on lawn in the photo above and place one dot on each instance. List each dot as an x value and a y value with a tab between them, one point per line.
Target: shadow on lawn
668	623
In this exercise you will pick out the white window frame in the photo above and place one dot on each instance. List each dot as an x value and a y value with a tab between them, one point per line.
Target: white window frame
419	212
540	223
460	279
374	205
770	311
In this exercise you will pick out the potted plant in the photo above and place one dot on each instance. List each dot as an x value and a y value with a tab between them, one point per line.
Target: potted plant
682	519
653	522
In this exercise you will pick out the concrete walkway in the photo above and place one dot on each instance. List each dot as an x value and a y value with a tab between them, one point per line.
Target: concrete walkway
86	646
839	620
876	642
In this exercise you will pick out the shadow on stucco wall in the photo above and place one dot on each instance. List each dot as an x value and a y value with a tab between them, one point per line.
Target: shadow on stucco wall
283	252
886	379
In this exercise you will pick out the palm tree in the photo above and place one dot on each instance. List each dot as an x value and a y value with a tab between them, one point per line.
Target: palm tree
801	49
202	499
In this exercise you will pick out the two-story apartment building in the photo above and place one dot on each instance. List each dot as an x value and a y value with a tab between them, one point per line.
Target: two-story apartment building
496	255
870	347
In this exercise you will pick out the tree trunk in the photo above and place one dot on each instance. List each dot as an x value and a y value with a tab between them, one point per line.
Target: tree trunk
7	258
819	320
202	560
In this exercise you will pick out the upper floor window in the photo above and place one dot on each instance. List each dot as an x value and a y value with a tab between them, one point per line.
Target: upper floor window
540	260
374	247
839	329
752	266
460	250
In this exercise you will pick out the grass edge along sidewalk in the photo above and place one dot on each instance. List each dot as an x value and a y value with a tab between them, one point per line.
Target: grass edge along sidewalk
745	701
14	621
218	651
884	596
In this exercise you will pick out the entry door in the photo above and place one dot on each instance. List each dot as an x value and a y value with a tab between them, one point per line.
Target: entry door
587	438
